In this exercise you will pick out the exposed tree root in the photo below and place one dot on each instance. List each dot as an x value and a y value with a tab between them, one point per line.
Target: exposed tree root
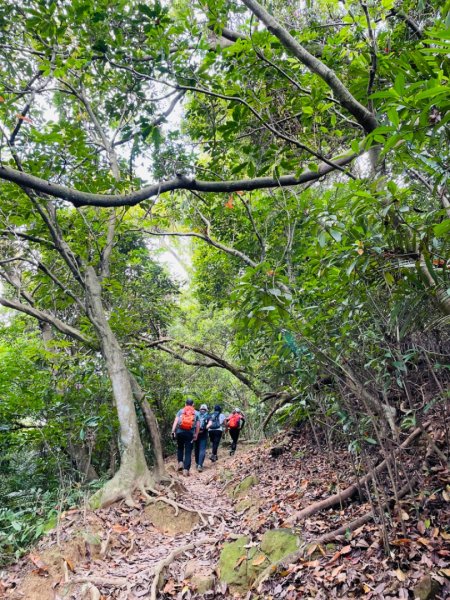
327	537
122	486
171	557
351	490
177	506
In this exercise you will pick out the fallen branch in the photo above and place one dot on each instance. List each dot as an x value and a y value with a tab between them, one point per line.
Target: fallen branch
171	557
351	490
102	581
327	537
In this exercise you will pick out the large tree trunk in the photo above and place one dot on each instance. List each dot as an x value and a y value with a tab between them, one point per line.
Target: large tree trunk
133	472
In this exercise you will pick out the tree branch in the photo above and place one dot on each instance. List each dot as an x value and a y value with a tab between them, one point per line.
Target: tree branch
360	112
47	318
78	198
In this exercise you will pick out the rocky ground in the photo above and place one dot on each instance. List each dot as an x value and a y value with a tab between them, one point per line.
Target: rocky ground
235	521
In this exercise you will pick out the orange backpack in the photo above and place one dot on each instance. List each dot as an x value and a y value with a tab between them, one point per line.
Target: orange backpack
234	421
187	418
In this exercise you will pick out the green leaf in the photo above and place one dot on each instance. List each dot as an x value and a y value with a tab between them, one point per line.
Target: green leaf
442	229
335	234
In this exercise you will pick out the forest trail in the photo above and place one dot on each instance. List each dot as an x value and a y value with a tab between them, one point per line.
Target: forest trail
114	552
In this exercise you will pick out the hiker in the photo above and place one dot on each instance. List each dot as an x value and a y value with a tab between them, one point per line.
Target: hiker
185	430
215	428
202	438
234	423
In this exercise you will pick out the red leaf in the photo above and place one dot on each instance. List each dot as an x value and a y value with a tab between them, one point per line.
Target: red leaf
24	118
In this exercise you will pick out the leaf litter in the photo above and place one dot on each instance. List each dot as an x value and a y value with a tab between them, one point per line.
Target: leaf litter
115	550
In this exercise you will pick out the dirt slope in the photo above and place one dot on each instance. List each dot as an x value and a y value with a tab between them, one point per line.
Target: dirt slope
113	553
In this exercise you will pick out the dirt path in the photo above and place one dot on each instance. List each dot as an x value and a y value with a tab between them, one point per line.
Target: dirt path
113	552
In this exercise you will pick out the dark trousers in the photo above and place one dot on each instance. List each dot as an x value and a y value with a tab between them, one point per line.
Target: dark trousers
184	448
200	448
234	434
215	436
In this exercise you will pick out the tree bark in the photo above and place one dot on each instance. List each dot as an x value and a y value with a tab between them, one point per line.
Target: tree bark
133	472
82	460
152	425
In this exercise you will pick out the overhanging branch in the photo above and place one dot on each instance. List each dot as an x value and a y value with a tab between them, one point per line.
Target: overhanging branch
78	198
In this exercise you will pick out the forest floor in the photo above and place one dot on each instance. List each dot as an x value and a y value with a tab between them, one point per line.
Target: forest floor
114	552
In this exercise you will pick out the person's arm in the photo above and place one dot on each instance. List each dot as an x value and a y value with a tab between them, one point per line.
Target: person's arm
197	428
174	425
225	423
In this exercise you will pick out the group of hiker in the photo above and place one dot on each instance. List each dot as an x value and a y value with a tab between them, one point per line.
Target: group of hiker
192	428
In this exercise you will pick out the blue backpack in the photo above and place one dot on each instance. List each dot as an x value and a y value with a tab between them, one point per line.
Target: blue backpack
204	418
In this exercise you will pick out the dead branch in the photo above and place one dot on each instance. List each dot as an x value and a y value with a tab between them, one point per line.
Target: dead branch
300	553
116	582
351	490
171	557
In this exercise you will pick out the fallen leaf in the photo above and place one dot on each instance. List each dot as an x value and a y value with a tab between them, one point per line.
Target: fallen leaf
42	568
117	528
337	570
401	576
70	564
311	563
421	527
169	588
259	560
239	561
311	549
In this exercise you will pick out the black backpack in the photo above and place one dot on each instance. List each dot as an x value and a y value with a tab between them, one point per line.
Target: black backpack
215	420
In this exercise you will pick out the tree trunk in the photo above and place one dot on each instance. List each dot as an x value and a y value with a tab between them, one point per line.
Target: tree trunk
82	459
152	425
133	472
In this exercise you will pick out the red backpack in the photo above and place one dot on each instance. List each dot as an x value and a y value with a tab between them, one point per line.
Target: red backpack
234	421
187	418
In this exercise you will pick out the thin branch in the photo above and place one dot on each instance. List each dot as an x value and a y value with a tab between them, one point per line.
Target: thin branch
267	125
208	240
373	55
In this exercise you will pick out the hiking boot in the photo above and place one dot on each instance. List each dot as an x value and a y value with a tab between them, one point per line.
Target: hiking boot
185	472
180	466
199	468
231	452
